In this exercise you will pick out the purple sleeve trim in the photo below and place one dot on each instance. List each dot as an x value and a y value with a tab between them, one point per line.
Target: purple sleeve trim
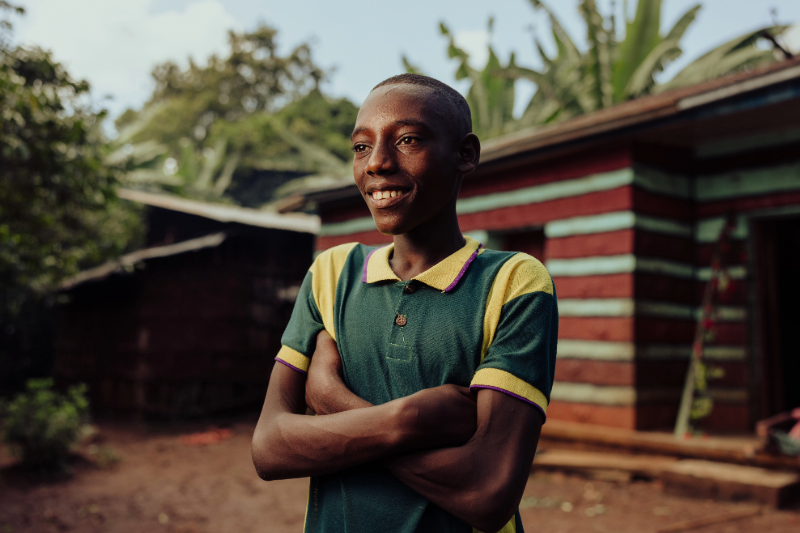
510	394
463	269
366	262
291	366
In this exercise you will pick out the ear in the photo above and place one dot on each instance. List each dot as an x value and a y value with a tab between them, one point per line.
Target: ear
469	153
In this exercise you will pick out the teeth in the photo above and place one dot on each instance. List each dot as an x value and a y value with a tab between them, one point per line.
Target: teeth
380	195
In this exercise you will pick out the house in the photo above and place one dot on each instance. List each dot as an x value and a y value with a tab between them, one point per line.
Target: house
625	206
189	324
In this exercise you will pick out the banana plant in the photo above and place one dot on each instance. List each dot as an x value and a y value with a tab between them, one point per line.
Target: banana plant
609	68
491	92
618	69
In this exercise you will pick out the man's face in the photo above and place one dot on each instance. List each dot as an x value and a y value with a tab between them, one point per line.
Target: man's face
406	159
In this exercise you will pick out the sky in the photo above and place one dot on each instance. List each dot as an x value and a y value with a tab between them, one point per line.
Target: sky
114	44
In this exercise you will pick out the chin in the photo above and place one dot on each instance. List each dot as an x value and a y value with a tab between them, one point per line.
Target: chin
389	227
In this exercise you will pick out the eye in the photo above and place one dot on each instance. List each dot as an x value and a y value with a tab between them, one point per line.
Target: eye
359	148
408	140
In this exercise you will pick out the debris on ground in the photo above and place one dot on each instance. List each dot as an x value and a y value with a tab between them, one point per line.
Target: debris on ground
204	438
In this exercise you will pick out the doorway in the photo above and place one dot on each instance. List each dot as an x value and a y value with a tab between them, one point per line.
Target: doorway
778	297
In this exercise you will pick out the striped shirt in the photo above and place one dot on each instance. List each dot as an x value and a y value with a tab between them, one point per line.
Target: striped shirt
479	318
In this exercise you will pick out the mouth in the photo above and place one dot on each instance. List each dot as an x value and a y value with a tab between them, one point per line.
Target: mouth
387	197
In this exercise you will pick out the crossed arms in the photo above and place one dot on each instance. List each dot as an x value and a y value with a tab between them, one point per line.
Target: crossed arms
470	456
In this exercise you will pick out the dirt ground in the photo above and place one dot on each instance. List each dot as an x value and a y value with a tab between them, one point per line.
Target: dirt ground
160	483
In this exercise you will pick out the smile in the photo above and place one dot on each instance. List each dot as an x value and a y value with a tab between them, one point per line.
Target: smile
386	198
380	195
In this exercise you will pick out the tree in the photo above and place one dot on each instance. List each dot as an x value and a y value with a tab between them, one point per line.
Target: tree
58	209
238	127
611	69
614	70
491	94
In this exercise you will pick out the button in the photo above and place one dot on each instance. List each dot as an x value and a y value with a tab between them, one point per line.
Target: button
411	288
401	320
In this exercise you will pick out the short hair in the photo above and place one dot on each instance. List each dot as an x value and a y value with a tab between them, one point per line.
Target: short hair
457	112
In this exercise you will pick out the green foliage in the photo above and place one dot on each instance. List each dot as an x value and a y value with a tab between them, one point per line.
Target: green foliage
41	425
612	69
207	129
490	96
58	210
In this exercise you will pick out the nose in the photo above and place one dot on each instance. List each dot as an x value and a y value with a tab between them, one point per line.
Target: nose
381	161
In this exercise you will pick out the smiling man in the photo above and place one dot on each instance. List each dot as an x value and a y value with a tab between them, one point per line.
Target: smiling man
429	361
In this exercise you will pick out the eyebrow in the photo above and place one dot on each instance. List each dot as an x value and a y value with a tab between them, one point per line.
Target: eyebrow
405	122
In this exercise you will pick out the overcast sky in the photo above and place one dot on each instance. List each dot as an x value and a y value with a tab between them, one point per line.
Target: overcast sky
115	43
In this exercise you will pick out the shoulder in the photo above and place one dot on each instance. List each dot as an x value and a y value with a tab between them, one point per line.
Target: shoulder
335	257
521	274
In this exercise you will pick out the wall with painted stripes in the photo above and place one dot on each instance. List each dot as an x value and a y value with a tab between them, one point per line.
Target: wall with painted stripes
629	248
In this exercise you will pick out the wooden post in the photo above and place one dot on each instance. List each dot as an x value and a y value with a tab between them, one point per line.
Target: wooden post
682	425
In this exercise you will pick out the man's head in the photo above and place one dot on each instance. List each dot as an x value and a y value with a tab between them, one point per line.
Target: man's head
451	106
413	144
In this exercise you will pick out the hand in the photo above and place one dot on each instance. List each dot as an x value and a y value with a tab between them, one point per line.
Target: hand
326	392
443	416
324	374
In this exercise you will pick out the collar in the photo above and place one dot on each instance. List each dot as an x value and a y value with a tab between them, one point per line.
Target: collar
444	276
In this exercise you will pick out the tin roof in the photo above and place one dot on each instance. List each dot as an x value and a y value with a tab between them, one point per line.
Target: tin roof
300	222
613	120
128	261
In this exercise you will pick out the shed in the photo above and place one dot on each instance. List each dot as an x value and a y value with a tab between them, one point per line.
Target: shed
625	207
188	325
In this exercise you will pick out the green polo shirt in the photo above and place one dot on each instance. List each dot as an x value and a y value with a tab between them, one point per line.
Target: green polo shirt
480	318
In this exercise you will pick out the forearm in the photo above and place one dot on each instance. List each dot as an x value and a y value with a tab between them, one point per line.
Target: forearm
460	482
482	481
287	444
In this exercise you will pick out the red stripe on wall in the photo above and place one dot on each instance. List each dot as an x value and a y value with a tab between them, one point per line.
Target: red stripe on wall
618	199
373	237
596	372
609	286
665	330
596	328
665	288
609	243
779	199
651	244
602	415
660	205
643	243
557	169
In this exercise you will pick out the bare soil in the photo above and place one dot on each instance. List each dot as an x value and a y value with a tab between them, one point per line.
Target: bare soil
161	483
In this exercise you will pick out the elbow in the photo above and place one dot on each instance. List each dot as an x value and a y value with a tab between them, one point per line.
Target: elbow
266	460
493	507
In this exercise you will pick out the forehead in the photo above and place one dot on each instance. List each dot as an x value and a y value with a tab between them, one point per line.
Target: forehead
400	103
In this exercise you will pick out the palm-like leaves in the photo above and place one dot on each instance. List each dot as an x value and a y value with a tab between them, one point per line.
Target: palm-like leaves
491	95
610	71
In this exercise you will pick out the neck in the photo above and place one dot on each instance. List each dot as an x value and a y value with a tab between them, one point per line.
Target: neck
427	244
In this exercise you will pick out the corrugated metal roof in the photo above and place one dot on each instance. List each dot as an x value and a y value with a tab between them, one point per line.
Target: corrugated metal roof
613	119
300	222
126	262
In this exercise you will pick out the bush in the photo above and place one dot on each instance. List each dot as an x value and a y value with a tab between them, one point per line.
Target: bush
41	425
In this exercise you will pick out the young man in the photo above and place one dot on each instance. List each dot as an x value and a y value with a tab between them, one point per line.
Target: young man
429	361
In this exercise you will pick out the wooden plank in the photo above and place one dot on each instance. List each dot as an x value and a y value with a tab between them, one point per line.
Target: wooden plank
645	465
688	525
731	450
731	482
